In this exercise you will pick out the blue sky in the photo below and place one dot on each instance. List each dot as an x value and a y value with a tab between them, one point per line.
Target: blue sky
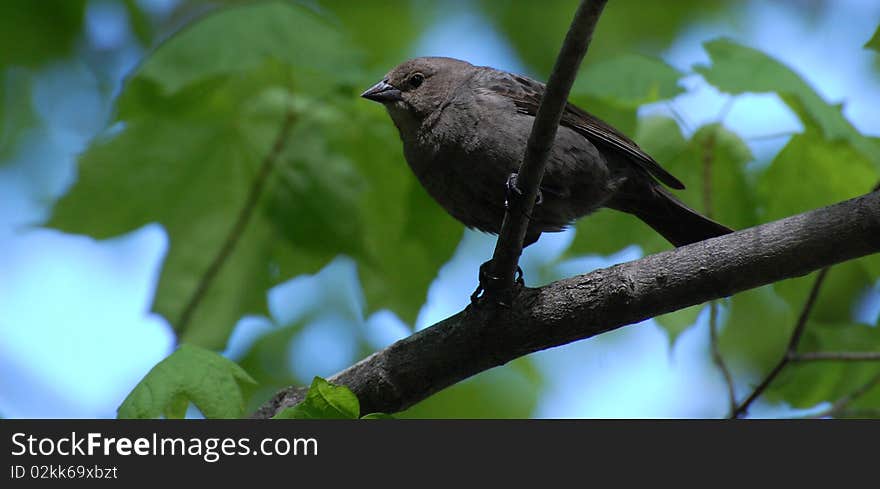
75	328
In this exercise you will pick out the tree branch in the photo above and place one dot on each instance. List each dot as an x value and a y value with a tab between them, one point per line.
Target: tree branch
478	339
509	246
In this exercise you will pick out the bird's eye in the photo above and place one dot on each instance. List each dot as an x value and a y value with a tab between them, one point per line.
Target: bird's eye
416	79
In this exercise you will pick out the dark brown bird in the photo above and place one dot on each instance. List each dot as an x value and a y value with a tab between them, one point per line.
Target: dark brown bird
464	130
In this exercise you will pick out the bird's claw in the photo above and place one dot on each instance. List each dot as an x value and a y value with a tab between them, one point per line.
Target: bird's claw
490	286
513	191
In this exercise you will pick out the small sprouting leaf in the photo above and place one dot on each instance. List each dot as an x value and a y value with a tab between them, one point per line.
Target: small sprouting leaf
191	374
324	401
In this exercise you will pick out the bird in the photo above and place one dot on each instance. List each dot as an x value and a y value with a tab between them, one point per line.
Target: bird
464	130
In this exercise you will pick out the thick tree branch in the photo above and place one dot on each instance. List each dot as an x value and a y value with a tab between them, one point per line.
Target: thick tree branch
478	339
508	248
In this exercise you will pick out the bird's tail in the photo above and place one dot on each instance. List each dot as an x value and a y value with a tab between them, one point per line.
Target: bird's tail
670	217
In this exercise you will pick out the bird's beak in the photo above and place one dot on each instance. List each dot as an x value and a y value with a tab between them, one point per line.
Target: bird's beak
382	92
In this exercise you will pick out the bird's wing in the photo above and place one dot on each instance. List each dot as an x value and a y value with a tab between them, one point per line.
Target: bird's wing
526	95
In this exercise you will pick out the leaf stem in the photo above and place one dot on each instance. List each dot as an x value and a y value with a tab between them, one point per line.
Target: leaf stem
238	227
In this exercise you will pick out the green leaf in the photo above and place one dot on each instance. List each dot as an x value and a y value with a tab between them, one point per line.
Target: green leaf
805	384
842	288
195	125
324	401
614	89
738	69
190	374
676	323
16	110
628	81
757	330
511	391
812	172
536	29
874	42
809	173
189	169
384	48
243	38
32	33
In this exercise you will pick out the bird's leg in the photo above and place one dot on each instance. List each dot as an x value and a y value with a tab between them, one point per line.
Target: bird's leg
490	284
513	192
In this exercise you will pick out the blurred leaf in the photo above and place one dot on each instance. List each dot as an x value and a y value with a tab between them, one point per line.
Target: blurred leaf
505	392
614	89
324	401
628	81
243	38
811	172
843	287
189	170
676	323
16	110
190	374
33	32
193	130
267	361
140	23
805	384
367	205
536	29
402	20
874	42
757	330
738	69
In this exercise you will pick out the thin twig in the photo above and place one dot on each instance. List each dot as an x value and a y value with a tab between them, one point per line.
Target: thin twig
792	345
238	227
708	158
508	248
841	404
836	356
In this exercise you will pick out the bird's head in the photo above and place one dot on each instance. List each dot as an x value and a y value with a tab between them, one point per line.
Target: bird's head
418	87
